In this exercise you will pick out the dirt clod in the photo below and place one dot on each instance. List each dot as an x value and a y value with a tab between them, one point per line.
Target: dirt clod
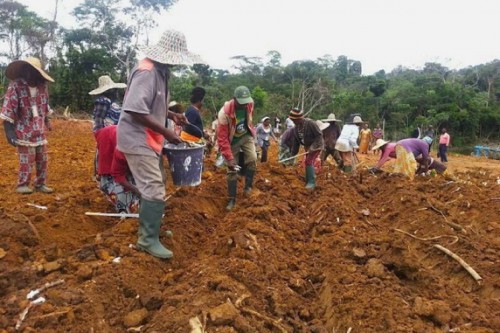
135	318
223	314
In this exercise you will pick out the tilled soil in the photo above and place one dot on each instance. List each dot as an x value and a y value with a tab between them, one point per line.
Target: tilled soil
339	259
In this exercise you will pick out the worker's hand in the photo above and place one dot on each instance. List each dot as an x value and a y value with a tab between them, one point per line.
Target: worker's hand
48	125
171	137
179	119
10	133
374	170
231	164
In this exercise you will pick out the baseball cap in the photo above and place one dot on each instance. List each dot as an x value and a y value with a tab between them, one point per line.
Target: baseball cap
242	95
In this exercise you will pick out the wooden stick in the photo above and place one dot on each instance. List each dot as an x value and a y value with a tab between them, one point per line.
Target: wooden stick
258	315
451	224
427	239
112	214
465	265
266	318
291	158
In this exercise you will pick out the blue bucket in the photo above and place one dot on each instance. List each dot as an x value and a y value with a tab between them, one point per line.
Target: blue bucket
186	163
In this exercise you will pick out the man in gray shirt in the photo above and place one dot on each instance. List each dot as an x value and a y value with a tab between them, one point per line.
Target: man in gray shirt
141	132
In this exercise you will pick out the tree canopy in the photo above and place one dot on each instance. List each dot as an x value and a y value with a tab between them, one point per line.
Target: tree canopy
466	101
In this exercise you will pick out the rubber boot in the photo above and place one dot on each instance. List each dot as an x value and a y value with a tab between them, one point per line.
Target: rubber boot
249	181
347	168
310	177
232	188
150	218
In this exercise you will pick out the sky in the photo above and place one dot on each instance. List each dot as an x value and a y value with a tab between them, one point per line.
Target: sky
382	34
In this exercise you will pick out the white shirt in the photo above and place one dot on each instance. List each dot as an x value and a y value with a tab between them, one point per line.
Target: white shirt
289	123
348	139
34	94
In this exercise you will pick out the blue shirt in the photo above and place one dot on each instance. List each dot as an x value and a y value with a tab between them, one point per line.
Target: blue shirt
193	116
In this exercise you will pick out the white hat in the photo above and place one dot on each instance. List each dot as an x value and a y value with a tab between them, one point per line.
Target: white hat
13	70
331	117
322	125
379	143
171	50
357	120
105	83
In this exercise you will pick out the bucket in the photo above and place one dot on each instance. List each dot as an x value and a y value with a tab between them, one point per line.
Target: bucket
186	163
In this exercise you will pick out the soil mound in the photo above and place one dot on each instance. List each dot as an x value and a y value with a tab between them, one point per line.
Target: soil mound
355	255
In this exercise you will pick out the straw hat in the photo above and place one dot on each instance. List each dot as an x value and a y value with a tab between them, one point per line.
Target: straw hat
14	69
171	50
105	83
331	117
379	143
357	120
322	125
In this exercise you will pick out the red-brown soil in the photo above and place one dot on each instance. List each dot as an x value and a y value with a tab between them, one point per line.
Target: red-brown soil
285	260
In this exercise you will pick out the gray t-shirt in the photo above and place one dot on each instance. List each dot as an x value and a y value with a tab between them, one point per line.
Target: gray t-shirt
146	94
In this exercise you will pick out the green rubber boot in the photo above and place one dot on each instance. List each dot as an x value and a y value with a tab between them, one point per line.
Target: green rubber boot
150	218
310	177
249	181
347	168
232	188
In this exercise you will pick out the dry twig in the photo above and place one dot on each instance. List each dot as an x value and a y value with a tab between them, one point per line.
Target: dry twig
465	265
451	224
429	238
270	320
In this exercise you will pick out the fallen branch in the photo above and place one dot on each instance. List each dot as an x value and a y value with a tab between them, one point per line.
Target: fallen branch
465	265
270	320
451	224
428	239
47	285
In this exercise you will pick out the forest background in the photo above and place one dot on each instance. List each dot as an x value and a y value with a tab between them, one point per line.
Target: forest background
466	101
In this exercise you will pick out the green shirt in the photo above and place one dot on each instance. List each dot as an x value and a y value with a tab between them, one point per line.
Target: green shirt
241	124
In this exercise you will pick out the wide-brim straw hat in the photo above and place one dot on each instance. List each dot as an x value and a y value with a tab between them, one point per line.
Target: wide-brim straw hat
331	117
357	120
171	50
322	125
14	69
379	143
105	83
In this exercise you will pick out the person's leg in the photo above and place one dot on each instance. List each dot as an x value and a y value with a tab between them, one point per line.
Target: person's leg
346	160
310	173
232	178
26	160
248	148
265	148
41	161
445	153
148	178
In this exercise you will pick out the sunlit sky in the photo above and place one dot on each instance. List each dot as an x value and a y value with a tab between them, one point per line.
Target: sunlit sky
382	34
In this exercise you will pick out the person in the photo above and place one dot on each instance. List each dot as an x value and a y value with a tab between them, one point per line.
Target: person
377	134
106	109
444	142
277	126
405	151
289	123
115	179
285	148
174	107
330	136
365	136
235	132
348	141
141	131
429	136
25	112
193	111
431	164
264	132
308	134
417	133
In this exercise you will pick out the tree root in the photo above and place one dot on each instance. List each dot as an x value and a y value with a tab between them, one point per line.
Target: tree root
465	265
